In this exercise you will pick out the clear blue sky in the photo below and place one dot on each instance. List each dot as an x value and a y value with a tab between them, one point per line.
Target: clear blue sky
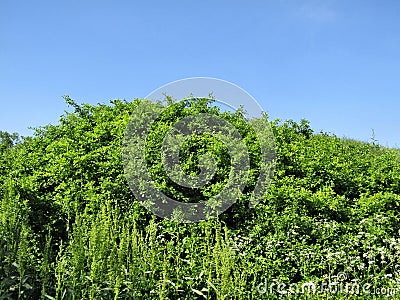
335	63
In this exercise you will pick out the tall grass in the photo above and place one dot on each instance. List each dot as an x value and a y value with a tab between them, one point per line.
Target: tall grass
111	258
114	256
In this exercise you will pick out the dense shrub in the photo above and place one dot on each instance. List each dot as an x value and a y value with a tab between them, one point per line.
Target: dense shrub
71	229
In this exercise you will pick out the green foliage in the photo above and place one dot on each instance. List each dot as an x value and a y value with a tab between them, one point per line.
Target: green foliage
71	229
8	140
196	147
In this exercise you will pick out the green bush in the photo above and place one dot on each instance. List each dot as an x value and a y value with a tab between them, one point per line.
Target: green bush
71	228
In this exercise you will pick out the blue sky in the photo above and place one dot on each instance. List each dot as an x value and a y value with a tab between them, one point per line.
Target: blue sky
335	63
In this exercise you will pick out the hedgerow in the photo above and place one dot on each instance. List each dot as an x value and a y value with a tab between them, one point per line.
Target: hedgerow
70	227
